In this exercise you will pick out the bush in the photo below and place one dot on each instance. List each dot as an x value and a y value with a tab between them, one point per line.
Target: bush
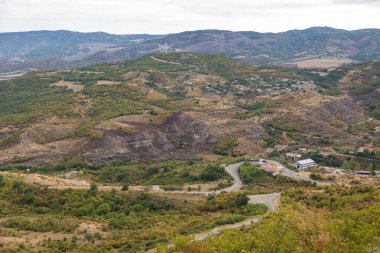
315	176
225	146
212	173
44	224
226	201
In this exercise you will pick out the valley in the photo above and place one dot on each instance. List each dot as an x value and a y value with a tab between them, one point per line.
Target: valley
162	126
185	152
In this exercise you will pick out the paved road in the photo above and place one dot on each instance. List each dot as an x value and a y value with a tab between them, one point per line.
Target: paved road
217	230
295	175
233	171
267	199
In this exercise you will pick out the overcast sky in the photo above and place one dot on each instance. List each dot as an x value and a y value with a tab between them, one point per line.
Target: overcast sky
168	16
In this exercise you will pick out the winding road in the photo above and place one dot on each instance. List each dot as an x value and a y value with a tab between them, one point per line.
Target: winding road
233	170
270	200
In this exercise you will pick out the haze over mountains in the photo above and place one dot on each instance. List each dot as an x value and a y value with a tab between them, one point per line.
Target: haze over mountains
55	49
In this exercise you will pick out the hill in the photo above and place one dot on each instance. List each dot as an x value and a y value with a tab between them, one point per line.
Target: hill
182	106
318	46
262	48
52	49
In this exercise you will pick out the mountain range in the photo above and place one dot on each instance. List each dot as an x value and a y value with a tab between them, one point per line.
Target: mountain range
45	50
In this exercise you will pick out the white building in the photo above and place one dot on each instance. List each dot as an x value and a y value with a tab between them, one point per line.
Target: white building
302	151
155	187
304	164
292	155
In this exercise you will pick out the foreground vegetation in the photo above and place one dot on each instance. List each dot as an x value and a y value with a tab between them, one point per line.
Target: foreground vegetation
329	220
126	222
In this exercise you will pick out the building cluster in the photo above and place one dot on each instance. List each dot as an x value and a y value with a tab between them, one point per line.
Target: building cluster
245	87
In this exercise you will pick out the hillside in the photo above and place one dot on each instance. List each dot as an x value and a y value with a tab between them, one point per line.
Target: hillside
262	48
155	155
318	46
182	106
52	49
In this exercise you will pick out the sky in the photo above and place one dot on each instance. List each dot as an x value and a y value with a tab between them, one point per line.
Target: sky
170	16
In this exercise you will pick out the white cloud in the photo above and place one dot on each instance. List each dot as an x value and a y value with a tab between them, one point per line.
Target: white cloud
165	16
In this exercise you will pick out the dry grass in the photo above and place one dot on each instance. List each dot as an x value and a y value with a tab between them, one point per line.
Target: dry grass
106	82
322	62
70	85
12	238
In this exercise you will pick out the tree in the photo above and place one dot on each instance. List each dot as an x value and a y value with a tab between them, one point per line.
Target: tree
2	181
125	187
93	189
315	176
103	209
351	165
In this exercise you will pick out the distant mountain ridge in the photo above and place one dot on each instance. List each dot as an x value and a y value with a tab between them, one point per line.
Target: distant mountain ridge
54	49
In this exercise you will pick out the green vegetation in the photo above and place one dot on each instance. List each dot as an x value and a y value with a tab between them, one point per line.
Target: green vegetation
158	173
40	224
27	99
373	109
328	83
275	130
127	222
138	173
330	161
226	147
256	109
226	201
259	181
330	220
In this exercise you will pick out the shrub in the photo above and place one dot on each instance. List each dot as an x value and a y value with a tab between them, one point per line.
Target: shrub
315	176
226	201
225	146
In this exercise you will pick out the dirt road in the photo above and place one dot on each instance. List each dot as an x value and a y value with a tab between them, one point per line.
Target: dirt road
168	62
174	63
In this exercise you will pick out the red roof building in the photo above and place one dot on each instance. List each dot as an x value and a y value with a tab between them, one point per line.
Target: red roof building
268	169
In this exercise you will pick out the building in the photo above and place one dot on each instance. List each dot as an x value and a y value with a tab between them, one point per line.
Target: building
258	161
155	187
302	151
292	155
338	171
304	164
268	169
363	172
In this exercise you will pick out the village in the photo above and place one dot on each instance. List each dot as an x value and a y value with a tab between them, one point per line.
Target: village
252	87
298	166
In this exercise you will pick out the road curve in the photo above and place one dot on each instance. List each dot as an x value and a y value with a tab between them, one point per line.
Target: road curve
267	199
284	171
233	170
217	230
